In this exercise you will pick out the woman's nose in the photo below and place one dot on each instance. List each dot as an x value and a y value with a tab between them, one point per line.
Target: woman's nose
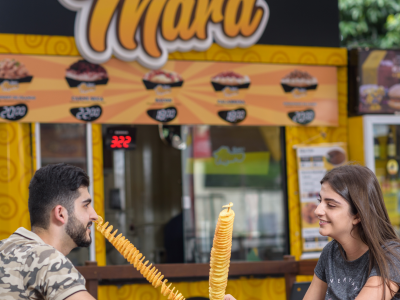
319	211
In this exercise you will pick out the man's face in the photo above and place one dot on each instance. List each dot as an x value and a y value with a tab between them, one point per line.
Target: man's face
79	222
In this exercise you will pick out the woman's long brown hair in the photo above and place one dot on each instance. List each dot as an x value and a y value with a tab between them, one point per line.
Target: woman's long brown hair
359	186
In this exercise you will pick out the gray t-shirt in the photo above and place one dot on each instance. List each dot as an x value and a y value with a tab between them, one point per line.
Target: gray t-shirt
345	279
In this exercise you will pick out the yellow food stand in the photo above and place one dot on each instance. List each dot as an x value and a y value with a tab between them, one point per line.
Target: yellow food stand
199	46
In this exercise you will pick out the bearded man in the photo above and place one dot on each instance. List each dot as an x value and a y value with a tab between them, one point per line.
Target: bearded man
33	263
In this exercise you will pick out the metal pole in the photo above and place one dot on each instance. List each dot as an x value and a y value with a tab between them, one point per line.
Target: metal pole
37	144
89	147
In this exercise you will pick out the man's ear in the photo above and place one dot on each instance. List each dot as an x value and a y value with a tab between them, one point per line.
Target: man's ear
60	215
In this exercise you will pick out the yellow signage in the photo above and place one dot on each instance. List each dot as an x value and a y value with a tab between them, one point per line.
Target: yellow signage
147	30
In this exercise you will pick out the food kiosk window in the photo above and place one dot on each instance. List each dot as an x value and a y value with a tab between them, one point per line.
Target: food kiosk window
164	192
65	143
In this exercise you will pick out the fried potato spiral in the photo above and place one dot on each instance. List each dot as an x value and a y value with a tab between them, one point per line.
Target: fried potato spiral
221	254
131	254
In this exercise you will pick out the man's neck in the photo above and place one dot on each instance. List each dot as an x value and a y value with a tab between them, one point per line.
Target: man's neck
53	238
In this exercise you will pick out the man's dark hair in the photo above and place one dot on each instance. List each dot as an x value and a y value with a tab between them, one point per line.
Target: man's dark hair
54	185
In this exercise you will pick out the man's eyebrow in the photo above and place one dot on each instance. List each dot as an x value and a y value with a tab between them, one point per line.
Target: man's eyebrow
87	201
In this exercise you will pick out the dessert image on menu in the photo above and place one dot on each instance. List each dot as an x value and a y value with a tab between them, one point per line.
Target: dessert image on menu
300	80
13	74
394	97
162	81
230	82
86	76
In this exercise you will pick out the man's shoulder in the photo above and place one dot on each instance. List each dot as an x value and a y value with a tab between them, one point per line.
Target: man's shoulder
18	249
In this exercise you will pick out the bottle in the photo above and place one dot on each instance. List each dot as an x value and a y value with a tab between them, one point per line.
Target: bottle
391	146
377	148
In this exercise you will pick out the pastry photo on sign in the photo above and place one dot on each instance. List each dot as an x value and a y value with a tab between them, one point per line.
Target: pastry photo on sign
230	83
14	76
162	81
298	83
85	78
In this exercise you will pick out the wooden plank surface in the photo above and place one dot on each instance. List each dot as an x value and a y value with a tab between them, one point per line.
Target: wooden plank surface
171	271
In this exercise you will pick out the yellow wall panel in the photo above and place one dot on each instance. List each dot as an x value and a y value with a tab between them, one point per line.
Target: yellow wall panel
15	175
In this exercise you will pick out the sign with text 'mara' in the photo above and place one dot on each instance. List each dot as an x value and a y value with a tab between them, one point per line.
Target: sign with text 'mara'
147	30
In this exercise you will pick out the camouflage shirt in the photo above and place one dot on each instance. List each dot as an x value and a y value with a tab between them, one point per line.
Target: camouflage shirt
32	269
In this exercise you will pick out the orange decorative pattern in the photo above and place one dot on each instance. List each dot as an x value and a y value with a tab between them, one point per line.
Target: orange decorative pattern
15	174
98	187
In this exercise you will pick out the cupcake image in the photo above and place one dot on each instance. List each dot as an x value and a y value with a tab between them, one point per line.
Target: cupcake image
86	77
161	81
14	76
230	82
297	81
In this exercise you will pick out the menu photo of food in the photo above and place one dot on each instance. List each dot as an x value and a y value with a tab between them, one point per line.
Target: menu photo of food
230	83
14	76
162	82
298	83
84	77
372	96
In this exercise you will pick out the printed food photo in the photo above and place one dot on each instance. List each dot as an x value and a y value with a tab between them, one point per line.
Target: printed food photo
13	75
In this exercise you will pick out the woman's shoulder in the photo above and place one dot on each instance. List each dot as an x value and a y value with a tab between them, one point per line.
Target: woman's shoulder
331	247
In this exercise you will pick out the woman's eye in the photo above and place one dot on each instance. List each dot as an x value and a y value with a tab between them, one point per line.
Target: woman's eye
331	205
319	200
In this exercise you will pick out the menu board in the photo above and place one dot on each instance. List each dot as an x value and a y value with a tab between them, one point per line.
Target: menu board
379	88
313	163
57	89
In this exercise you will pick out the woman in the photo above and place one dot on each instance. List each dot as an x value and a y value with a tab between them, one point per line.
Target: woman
363	260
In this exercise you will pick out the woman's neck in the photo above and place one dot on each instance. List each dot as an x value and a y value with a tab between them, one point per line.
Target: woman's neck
353	246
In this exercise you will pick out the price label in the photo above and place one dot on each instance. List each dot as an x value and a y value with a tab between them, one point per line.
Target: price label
233	116
87	114
120	138
120	141
164	115
302	117
13	112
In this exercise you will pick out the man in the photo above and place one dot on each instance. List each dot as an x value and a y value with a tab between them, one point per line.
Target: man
33	263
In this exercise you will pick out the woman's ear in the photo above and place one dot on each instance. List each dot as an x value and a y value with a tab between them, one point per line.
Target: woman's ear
356	219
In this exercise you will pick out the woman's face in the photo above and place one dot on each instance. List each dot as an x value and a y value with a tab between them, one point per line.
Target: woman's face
333	212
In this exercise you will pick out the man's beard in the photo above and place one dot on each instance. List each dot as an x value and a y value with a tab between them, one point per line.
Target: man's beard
77	232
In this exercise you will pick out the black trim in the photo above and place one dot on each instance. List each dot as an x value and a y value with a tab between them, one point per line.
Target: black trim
285	190
24	236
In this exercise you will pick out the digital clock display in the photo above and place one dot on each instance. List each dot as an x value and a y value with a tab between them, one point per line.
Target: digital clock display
120	138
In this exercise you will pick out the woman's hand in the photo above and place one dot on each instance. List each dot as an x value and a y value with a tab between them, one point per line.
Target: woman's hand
229	297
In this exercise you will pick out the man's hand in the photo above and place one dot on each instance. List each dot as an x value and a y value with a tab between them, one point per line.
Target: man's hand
229	297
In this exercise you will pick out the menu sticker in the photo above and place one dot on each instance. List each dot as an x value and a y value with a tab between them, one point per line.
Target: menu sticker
88	114
302	117
164	115
13	112
233	116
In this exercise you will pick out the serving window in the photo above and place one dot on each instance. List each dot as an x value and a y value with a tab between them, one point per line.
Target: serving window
165	192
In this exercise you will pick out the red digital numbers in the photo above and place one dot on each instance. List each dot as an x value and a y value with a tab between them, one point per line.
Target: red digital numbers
120	141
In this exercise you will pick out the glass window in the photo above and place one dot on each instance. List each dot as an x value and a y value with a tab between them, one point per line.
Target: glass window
166	193
242	165
65	143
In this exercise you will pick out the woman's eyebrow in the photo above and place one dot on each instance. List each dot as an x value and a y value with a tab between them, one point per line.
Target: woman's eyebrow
329	199
333	200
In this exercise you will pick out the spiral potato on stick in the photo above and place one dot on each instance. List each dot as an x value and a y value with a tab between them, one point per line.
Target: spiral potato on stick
221	254
130	253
